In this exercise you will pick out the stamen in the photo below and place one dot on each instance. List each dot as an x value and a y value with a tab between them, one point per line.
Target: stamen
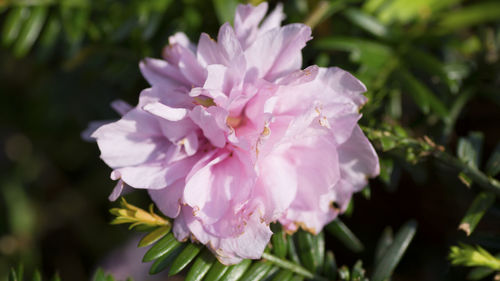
205	101
233	122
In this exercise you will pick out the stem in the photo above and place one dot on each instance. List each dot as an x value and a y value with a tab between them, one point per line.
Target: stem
292	267
427	147
323	10
476	175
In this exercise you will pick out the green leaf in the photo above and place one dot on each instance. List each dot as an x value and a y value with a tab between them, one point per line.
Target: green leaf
74	23
306	251
185	257
37	276
271	273
319	248
371	6
292	251
330	266
468	255
163	247
366	192
431	65
13	275
20	271
99	275
200	266
338	229
344	273
50	33
236	271
367	22
30	31
493	165
358	273
394	252
470	16
154	16
479	273
322	11
422	96
384	242
469	149
166	260
224	9
283	275
404	11
257	271
216	272
297	278
278	241
370	53
477	209
455	109
154	235
13	23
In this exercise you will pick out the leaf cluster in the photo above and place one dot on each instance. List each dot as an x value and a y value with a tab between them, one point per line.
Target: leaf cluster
301	256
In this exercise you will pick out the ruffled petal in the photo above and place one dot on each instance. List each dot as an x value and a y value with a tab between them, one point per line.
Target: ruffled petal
162	74
316	161
159	174
168	199
281	48
249	245
276	187
221	79
86	134
120	189
230	250
212	121
344	83
134	139
273	20
358	160
226	51
121	107
246	22
226	179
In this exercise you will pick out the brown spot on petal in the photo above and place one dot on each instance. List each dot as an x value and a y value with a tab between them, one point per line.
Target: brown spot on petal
304	227
266	131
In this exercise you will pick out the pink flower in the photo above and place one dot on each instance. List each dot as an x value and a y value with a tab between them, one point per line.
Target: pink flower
233	135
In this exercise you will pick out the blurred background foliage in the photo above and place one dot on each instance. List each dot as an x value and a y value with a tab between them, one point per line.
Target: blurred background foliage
431	67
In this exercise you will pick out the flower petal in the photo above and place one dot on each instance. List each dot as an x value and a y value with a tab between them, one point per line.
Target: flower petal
281	48
273	20
227	178
120	189
157	175
316	160
277	185
121	107
246	22
168	199
132	140
212	121
358	160
166	112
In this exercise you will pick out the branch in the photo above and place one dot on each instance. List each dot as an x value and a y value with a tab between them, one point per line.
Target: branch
420	148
